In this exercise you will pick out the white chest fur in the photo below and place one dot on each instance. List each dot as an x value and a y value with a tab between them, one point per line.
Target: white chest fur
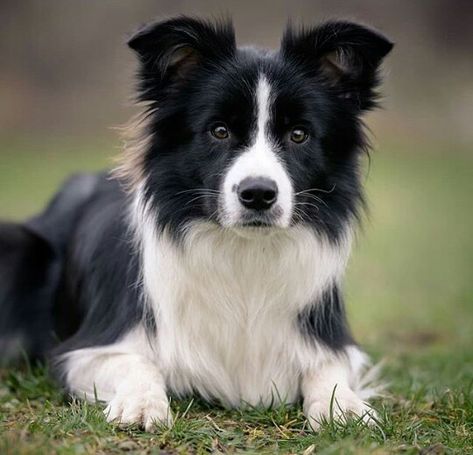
226	309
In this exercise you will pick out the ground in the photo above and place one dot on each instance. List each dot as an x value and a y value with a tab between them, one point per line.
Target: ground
410	301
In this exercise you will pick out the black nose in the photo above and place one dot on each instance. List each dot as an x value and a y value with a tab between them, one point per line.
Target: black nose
257	193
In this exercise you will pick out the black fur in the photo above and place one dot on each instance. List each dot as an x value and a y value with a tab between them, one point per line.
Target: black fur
325	321
72	273
27	285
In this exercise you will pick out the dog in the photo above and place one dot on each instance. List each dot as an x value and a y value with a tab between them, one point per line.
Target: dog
210	261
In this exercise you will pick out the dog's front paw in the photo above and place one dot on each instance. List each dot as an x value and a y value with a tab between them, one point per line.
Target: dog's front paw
146	409
338	406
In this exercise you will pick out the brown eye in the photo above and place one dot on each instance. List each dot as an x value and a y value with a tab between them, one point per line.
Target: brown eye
219	131
299	135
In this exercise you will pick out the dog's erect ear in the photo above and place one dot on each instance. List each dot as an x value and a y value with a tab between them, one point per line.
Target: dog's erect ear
346	55
171	49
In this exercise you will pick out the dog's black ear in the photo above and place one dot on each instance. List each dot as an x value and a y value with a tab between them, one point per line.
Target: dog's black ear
171	49
344	54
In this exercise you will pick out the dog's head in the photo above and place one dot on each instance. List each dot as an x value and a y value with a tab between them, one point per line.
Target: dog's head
252	139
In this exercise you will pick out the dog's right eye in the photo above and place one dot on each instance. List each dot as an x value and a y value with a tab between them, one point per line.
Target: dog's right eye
299	135
219	131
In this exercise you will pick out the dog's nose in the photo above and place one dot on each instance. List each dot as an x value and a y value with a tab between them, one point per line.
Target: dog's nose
258	193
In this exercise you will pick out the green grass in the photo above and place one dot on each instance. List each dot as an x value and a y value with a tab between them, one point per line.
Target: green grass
410	301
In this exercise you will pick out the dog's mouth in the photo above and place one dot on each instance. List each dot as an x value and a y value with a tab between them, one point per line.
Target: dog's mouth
252	222
257	220
257	224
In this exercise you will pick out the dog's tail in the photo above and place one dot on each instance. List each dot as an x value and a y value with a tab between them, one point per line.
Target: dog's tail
26	267
31	263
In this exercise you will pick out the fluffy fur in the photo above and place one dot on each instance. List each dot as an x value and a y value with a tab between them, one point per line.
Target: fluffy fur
211	261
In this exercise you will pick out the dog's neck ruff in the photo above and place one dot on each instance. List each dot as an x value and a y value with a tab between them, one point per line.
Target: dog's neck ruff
226	306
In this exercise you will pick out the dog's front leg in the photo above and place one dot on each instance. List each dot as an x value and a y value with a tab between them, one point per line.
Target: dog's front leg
327	393
130	384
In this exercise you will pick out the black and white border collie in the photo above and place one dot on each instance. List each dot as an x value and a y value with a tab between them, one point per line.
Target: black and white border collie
211	261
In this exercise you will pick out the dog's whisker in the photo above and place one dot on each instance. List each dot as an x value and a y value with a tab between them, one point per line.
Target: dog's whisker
315	198
199	190
321	190
202	196
308	204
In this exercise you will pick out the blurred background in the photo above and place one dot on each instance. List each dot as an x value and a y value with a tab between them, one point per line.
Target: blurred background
66	80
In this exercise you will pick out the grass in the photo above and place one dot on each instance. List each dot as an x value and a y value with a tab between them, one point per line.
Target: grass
410	301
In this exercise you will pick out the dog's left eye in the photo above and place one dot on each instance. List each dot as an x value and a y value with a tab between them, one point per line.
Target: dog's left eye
299	135
219	131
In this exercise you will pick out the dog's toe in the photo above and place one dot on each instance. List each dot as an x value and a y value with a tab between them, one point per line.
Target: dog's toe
344	405
147	410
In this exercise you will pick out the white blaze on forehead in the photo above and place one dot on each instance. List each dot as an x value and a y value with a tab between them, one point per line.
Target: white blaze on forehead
260	159
263	95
